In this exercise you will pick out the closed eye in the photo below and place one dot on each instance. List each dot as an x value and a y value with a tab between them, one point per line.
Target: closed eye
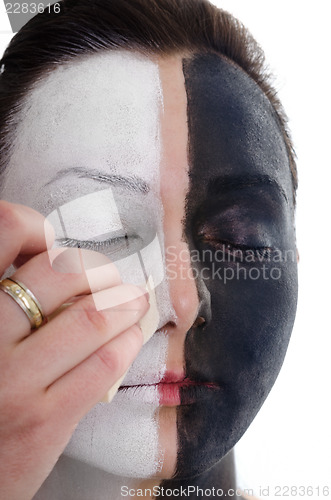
237	251
118	243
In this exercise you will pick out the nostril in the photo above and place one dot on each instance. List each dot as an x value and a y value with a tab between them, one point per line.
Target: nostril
170	324
200	321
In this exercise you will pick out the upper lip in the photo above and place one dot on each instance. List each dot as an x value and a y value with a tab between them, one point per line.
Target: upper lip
170	377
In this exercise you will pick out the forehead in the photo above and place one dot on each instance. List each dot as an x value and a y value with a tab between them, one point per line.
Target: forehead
101	112
233	127
104	112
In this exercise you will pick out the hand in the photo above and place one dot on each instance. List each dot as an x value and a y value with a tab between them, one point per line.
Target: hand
50	378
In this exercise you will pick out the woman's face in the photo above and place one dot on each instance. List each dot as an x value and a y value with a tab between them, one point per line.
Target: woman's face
178	167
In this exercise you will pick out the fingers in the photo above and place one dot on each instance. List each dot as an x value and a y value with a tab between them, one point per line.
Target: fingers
77	332
55	284
22	231
77	391
51	378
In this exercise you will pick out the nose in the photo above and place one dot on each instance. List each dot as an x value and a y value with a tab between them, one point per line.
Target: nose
183	288
186	291
190	298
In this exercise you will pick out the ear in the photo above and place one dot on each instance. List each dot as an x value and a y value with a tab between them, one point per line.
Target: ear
298	256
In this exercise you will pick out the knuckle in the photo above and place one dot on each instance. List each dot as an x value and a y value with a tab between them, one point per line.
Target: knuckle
35	419
93	319
21	415
20	408
112	359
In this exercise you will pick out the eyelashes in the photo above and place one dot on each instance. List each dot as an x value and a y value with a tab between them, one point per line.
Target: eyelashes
231	250
117	243
236	251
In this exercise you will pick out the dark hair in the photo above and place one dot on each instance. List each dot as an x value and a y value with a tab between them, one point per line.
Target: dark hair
150	26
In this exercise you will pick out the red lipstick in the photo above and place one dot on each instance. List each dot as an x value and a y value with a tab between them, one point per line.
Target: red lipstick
175	389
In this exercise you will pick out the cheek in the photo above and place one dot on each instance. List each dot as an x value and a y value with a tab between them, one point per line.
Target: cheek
242	349
253	311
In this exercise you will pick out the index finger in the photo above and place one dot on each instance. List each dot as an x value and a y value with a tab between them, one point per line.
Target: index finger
22	231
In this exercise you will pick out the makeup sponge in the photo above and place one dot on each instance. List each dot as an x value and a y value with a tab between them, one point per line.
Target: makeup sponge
148	324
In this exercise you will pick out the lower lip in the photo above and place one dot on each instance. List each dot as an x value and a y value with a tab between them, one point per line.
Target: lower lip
184	393
169	394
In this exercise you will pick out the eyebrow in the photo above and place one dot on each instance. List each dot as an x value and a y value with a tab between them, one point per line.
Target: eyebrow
223	184
132	183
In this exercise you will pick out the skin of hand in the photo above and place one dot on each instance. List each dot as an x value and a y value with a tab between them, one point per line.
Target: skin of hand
54	376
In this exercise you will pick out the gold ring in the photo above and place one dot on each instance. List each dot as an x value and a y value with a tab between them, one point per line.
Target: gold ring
25	299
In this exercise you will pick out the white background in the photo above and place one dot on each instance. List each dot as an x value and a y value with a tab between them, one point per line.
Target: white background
288	443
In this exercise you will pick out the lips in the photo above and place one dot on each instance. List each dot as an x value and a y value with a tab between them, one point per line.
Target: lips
173	390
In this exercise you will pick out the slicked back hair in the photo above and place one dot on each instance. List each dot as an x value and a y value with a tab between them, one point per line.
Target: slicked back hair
161	27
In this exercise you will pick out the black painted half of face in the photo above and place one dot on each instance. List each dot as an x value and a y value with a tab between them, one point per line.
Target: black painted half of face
240	219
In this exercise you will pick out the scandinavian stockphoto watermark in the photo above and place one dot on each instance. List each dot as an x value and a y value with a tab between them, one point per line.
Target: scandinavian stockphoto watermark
89	236
227	264
78	224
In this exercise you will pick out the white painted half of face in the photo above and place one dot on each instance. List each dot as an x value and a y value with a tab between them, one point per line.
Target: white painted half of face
80	219
108	435
89	125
